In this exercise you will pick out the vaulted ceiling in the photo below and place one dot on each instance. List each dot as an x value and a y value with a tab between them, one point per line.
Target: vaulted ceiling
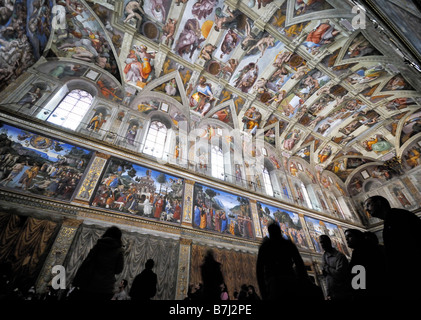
328	84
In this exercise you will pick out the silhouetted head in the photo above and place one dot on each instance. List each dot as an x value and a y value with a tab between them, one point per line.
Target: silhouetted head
371	238
376	207
209	256
149	264
325	242
354	238
274	230
113	232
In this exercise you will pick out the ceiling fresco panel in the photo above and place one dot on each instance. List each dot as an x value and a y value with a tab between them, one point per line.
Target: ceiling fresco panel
337	97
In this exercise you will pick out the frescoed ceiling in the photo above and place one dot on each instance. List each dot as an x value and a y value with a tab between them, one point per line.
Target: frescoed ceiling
325	86
404	17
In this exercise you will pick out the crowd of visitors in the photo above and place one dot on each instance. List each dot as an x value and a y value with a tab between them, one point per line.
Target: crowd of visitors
375	270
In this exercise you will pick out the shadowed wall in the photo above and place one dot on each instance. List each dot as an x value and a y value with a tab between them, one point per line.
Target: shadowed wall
238	268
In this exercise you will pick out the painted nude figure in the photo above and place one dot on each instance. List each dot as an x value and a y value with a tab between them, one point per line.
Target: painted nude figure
132	10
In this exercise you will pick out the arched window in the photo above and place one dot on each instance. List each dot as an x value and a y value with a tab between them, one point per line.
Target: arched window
71	110
217	162
306	197
156	139
267	181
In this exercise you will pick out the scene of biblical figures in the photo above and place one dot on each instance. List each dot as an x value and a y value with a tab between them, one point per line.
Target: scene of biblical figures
289	222
170	66
24	33
411	127
170	88
252	64
330	60
278	21
157	10
324	154
322	35
139	68
194	28
80	36
63	70
251	120
399	104
304	153
398	82
411	157
222	212
344	166
131	188
360	47
302	7
377	144
105	15
316	228
367	119
40	165
351	109
224	115
366	74
227	95
307	86
202	99
291	139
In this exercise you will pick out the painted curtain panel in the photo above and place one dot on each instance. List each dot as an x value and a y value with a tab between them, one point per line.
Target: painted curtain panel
289	222
134	189
138	249
317	228
40	165
222	212
238	268
24	246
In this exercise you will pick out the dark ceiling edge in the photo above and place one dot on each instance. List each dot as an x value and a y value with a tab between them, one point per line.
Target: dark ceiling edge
417	3
370	4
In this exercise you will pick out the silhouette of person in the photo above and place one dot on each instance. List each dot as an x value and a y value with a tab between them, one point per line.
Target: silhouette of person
359	257
367	253
402	244
144	284
212	277
251	293
376	278
335	270
276	276
242	295
95	278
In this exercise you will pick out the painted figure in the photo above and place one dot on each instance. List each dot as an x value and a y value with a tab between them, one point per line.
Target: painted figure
96	122
131	135
138	65
201	100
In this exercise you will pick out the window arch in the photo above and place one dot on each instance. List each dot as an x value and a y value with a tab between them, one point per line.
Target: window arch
284	191
72	109
213	151
156	139
306	196
217	162
267	181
